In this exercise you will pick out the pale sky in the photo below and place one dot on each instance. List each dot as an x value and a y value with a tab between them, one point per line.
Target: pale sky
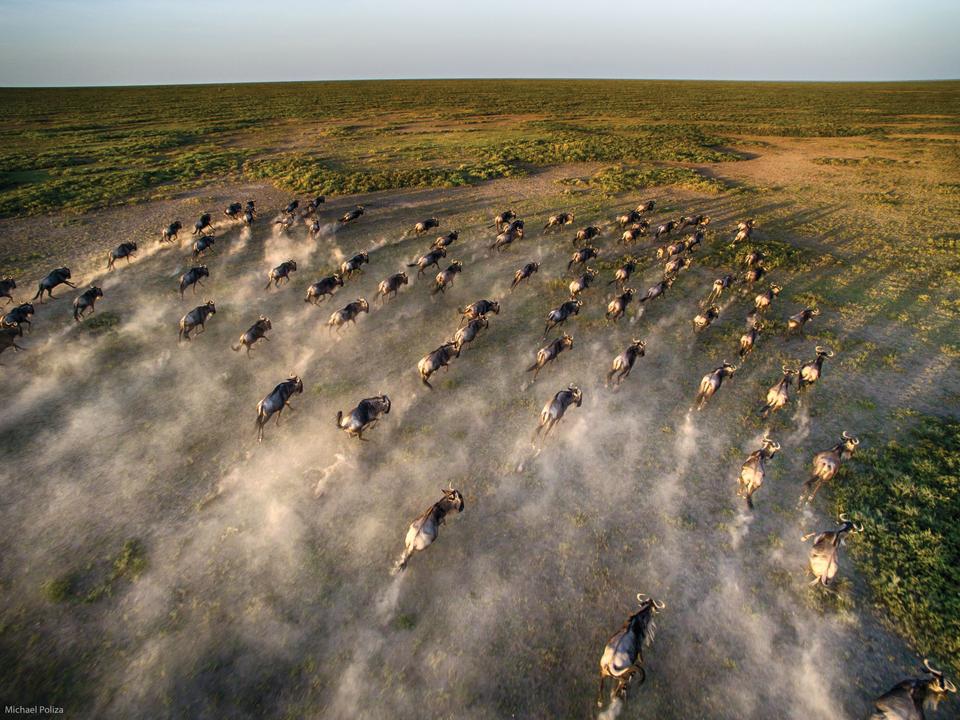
131	42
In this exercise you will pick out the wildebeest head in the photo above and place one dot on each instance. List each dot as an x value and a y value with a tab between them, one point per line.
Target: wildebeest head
453	499
849	443
770	446
363	305
576	395
212	309
265	323
937	684
847	525
295	379
823	352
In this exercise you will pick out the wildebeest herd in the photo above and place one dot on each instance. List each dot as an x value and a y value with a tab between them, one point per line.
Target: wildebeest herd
622	657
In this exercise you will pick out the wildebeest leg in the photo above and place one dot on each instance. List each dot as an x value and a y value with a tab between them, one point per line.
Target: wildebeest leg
600	691
202	329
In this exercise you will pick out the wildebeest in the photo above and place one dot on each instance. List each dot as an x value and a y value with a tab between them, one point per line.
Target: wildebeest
559	220
8	285
825	553
779	393
123	250
281	273
421	227
276	401
749	339
719	285
480	308
391	286
665	229
171	231
503	219
354	265
348	313
622	657
469	332
554	410
433	361
753	275
523	273
693	221
321	288
582	283
796	323
86	300
666	252
196	317
57	276
233	210
753	471
647	207
202	244
446	240
432	257
744	230
623	363
628	218
314	228
18	317
754	257
201	225
561	314
291	207
810	372
514	231
8	339
249	215
623	273
444	278
314	205
351	215
656	290
675	265
618	306
258	331
827	463
424	530
634	232
285	223
192	278
549	353
703	320
586	234
907	700
583	255
364	416
762	301
712	381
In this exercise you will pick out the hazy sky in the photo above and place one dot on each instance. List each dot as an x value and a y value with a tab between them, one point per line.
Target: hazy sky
95	42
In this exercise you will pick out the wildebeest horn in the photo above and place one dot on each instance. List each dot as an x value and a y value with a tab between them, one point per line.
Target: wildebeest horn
641	598
930	669
843	517
658	605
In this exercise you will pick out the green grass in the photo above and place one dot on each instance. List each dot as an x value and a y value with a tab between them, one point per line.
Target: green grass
909	496
94	583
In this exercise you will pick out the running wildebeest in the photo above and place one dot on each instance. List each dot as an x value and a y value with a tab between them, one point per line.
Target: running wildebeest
123	250
233	210
504	218
291	207
323	287
424	530
364	416
704	319
478	309
514	231
754	470
444	278
657	290
351	215
561	314
285	223
559	220
623	654
554	410
617	307
583	255
200	226
258	331
276	401
826	465
192	278
314	205
469	332
432	257
810	372
281	273
754	257
744	231
248	216
749	339
712	381
8	339
421	227
446	240
348	313
623	363
57	276
623	273
196	317
629	217
719	285
693	221
18	317
647	207
549	353
7	286
433	361
825	553
675	265
314	228
762	301
391	286
353	265
86	300
202	244
908	700
582	283
634	232
171	232
796	323
523	273
779	394
666	229
586	234
753	275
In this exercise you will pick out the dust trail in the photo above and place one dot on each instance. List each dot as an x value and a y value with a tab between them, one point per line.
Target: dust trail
741	526
613	710
327	473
